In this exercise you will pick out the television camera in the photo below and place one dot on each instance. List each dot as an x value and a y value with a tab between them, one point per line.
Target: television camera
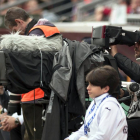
106	36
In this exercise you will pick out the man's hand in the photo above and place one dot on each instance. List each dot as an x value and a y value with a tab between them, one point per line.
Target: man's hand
2	116
1	90
121	93
0	109
8	123
113	50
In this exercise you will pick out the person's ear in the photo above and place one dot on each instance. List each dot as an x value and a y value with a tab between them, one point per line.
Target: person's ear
18	21
106	89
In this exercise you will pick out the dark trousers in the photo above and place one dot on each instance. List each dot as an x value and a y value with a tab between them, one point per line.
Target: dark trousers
133	129
33	116
4	135
16	133
1	137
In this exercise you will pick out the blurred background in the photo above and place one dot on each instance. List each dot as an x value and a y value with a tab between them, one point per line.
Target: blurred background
76	18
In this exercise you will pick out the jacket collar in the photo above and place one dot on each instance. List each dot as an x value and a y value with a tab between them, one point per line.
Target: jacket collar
99	98
29	26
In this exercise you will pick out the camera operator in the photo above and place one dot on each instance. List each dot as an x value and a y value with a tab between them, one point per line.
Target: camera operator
18	20
131	69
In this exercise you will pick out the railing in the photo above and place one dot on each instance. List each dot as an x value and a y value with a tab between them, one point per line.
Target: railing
57	7
86	27
83	8
133	19
8	4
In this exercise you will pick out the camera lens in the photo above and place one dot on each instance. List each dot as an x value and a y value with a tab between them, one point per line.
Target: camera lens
134	87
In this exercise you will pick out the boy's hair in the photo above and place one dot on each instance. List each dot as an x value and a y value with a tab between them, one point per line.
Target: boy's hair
104	76
15	13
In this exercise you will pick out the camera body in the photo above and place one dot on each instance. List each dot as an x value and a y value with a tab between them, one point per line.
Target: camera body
105	36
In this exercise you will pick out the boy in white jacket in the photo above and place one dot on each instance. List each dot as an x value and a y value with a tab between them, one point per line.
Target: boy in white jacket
105	118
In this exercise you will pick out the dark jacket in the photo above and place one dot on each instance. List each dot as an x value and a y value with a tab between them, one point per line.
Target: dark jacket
129	67
4	99
68	86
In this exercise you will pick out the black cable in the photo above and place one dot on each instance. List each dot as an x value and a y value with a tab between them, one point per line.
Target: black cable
124	99
125	110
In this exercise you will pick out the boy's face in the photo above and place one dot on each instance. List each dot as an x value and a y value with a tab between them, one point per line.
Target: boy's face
95	91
